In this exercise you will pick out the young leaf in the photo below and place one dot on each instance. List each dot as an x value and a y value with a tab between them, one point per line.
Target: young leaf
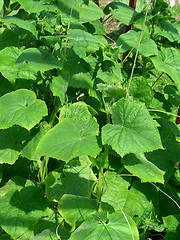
74	209
69	139
11	143
139	166
132	131
22	108
21	209
117	227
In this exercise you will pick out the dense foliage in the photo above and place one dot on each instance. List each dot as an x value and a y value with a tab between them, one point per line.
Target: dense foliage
88	148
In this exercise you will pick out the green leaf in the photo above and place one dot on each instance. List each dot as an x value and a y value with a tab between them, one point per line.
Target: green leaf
140	90
49	227
1	4
121	12
6	86
59	87
78	110
166	158
8	57
8	38
77	72
133	129
34	6
81	38
11	143
77	179
69	139
122	196
168	61
74	209
139	166
21	209
90	12
24	24
118	226
36	59
15	183
82	11
147	46
171	223
166	30
22	108
31	145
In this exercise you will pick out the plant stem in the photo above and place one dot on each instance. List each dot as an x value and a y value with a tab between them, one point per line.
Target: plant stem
135	59
65	47
101	165
157	79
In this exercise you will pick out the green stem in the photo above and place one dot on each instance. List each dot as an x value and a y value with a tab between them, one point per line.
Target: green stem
157	79
43	169
101	166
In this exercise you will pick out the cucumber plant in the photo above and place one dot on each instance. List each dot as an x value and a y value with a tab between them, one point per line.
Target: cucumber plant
88	147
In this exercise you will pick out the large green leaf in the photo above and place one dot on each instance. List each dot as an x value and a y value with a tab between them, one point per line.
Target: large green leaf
21	209
77	179
168	61
11	143
11	20
69	139
132	131
147	46
118	226
22	108
139	166
37	59
120	195
74	209
121	12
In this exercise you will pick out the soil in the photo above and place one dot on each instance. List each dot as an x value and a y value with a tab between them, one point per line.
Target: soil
113	27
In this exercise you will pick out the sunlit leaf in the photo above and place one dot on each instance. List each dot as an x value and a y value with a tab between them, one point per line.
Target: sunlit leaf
132	131
22	108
